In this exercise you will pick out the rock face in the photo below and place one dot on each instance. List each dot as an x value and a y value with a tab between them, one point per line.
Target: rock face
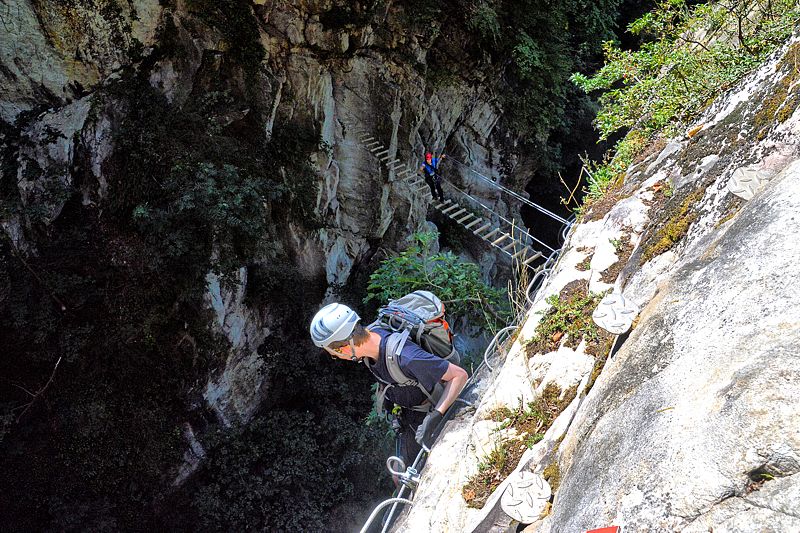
697	409
65	70
692	425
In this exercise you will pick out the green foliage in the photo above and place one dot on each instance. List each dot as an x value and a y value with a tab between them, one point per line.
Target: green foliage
693	53
484	20
237	23
455	282
523	51
247	479
570	315
133	334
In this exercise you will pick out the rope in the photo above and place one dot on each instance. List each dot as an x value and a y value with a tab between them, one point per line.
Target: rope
512	193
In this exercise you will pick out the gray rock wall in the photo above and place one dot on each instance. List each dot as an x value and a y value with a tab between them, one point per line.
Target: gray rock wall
693	425
59	60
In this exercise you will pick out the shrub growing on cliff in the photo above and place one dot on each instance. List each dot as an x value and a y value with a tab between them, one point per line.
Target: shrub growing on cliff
692	54
458	283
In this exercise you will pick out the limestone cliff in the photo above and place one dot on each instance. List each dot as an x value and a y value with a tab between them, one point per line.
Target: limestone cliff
692	424
321	73
176	177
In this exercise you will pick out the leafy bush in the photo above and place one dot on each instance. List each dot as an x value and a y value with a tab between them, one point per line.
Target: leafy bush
692	54
457	283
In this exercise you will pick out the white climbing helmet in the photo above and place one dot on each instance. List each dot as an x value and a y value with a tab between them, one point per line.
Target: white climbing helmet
334	322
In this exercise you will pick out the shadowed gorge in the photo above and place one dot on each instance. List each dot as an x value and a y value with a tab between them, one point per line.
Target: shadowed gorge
184	184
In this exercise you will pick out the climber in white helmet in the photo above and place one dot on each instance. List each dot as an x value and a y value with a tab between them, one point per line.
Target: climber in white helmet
336	328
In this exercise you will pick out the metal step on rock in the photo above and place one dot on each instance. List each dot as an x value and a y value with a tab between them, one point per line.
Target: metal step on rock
458	213
508	247
479	230
473	223
382	153
464	218
503	237
450	209
524	250
440	205
536	255
489	235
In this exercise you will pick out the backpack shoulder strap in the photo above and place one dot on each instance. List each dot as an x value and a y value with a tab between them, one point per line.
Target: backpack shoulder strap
394	345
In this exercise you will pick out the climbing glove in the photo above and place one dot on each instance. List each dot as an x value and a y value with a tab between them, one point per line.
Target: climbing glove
425	431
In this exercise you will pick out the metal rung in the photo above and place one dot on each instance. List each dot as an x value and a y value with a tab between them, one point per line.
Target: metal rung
373	144
501	239
473	223
367	138
402	172
385	158
451	208
463	219
521	252
509	246
423	188
442	204
383	153
457	213
376	149
477	231
414	183
491	234
532	258
389	164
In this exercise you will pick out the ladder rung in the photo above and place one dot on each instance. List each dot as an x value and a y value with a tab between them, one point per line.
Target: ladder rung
382	153
501	239
491	234
372	145
394	164
442	204
464	218
376	149
385	158
477	231
473	223
457	213
423	188
451	208
414	183
402	172
367	138
507	247
532	258
521	252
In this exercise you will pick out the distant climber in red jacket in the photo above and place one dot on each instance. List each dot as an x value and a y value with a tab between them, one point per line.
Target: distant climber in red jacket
431	169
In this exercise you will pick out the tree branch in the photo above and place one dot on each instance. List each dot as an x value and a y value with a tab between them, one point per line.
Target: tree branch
38	393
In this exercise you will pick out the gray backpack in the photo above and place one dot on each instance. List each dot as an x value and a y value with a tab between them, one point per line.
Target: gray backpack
419	316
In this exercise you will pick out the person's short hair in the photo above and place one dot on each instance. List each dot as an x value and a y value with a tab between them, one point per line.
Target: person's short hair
359	336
